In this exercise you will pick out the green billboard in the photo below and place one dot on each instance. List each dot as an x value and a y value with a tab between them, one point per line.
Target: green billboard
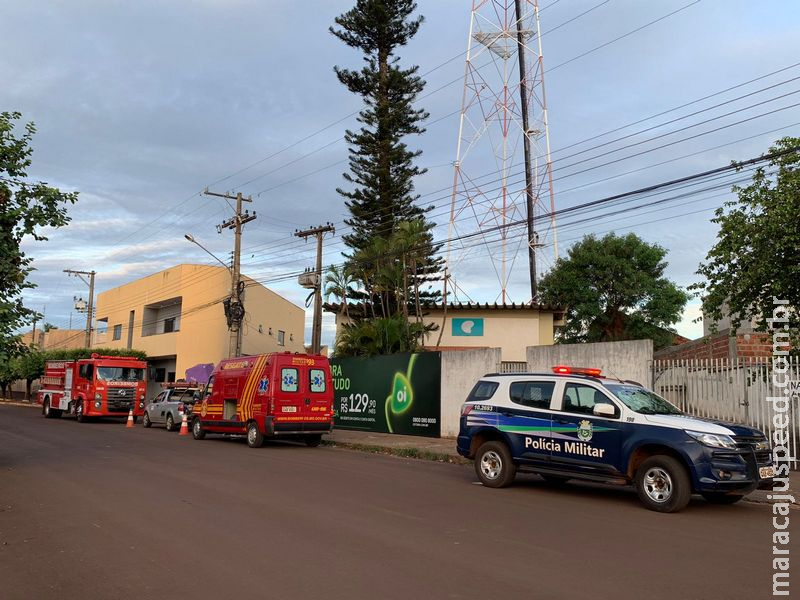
398	393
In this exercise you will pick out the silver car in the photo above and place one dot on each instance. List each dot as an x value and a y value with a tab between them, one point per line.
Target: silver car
170	406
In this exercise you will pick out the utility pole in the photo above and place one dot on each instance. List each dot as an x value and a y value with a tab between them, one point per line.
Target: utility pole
234	307
316	328
90	308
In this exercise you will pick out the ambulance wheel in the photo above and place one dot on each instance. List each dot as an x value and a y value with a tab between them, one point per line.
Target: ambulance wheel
254	437
493	465
146	422
663	484
198	432
312	441
720	498
170	425
79	412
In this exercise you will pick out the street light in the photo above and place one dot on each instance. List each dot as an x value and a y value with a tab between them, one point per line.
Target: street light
190	237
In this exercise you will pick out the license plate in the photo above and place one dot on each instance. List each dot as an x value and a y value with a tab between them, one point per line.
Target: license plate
766	472
289	409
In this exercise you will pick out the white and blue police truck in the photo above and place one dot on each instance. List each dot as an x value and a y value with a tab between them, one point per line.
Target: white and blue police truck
574	423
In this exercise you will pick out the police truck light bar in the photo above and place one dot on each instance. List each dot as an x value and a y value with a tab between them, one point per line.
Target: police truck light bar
563	370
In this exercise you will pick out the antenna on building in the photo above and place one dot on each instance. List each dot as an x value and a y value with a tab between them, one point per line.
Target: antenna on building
503	108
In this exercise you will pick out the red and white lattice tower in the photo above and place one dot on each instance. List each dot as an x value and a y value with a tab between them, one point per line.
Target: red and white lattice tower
502	134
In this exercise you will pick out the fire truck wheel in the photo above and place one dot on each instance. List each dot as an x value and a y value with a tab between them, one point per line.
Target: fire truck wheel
79	412
146	420
46	408
254	437
312	441
198	432
170	425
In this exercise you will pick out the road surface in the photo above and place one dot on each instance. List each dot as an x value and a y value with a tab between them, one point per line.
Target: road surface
98	511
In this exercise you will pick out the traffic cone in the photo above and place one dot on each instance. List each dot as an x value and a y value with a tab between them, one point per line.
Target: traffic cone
130	419
184	426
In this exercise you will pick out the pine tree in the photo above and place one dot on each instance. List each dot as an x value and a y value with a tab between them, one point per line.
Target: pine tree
382	166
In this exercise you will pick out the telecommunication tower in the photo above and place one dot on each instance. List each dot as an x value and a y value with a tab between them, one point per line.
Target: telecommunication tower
503	173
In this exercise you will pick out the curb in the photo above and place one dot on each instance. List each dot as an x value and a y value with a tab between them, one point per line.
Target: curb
401	452
18	403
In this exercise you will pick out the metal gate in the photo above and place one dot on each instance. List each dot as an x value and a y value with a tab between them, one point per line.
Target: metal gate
732	390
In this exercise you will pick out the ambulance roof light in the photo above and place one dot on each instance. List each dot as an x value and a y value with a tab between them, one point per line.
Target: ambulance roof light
564	370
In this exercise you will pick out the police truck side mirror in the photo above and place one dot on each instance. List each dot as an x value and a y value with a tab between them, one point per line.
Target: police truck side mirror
604	410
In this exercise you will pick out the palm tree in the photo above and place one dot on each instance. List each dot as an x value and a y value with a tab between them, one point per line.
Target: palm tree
337	283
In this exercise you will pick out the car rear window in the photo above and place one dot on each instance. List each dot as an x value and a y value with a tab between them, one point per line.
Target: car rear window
289	380
483	390
536	394
316	380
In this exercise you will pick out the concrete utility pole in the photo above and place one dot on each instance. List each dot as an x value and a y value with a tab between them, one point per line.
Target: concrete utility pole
316	328
90	307
234	309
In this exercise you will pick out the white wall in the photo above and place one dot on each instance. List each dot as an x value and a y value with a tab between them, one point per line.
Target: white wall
460	370
623	360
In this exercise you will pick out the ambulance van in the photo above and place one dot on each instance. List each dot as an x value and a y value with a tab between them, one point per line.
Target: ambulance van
278	395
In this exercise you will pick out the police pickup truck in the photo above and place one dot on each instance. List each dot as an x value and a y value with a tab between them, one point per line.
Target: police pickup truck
576	424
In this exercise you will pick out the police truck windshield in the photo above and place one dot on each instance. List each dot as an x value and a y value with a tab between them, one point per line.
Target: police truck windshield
642	401
120	374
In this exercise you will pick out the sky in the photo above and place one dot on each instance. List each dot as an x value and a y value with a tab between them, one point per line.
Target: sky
139	106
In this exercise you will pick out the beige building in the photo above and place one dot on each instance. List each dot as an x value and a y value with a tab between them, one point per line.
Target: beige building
56	339
176	316
510	327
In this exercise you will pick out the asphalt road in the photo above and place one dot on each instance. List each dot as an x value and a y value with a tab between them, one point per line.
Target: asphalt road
96	510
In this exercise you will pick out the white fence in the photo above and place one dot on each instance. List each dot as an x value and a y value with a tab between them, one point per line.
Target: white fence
732	390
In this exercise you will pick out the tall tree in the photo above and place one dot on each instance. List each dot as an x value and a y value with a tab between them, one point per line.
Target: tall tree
25	207
614	289
382	166
756	257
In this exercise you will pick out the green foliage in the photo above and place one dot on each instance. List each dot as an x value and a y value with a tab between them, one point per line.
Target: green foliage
614	289
371	337
756	257
25	208
381	165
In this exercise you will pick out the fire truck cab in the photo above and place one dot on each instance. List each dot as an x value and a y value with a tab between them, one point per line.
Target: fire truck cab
281	395
100	386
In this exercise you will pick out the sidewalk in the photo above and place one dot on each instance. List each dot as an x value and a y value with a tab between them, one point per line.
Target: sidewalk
410	446
444	450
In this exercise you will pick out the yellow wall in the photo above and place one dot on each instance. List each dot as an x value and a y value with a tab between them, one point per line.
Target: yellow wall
511	330
203	335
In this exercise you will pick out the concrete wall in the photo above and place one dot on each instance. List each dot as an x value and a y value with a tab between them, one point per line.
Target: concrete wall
623	360
460	370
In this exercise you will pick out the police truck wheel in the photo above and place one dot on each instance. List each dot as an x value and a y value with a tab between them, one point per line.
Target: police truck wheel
312	441
663	484
254	437
720	498
146	422
494	466
170	423
198	432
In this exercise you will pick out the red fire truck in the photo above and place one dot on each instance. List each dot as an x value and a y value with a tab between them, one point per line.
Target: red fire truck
274	395
100	386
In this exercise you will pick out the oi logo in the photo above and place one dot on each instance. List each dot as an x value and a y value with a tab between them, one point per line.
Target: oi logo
402	396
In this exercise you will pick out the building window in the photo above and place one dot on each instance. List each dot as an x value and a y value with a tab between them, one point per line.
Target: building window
102	326
171	376
169	325
281	338
117	332
160	375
